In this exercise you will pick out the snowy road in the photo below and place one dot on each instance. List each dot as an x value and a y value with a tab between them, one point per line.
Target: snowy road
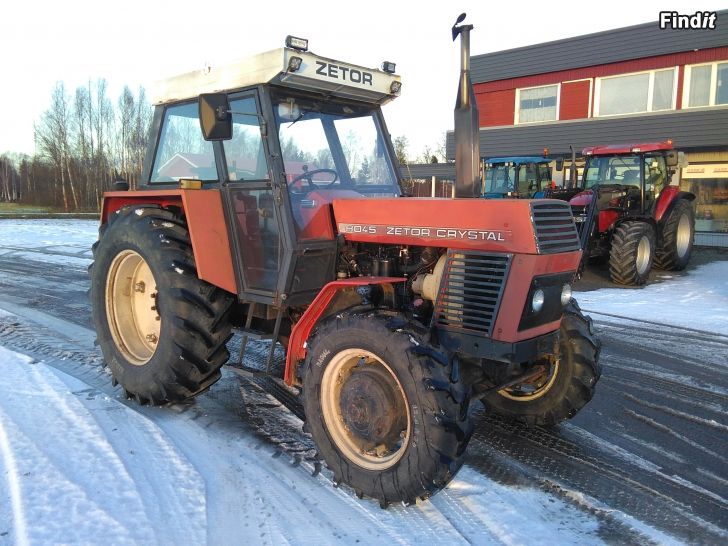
644	462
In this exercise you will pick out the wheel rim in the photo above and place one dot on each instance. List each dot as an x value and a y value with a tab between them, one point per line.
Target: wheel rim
536	388
683	235
131	307
644	251
365	409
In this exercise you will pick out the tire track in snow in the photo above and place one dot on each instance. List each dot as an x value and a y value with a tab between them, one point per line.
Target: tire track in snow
20	527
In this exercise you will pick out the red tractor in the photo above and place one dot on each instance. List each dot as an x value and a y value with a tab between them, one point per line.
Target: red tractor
283	218
629	213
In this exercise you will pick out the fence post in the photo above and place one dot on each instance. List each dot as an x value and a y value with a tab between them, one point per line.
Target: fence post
432	192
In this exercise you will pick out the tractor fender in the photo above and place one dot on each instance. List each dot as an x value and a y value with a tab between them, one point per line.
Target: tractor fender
667	201
633	218
203	212
301	331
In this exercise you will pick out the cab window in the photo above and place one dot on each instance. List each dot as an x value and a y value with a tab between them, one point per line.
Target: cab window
182	152
244	153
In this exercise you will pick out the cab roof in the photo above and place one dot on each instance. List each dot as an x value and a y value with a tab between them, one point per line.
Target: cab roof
315	73
613	149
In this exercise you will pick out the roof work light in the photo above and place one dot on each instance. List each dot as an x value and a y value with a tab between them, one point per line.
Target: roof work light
301	44
388	67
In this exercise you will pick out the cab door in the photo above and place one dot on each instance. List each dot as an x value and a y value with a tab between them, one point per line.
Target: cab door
252	199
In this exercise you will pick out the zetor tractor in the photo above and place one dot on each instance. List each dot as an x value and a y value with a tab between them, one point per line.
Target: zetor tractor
629	213
286	221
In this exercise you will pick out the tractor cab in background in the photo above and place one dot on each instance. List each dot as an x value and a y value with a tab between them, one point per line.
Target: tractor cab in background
525	177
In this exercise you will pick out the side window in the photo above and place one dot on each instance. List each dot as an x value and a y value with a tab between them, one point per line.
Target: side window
182	152
655	174
244	153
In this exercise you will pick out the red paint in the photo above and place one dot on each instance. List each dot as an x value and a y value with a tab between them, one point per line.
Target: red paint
523	269
614	149
611	69
205	221
582	199
667	196
302	329
316	217
680	80
510	219
496	107
574	101
607	219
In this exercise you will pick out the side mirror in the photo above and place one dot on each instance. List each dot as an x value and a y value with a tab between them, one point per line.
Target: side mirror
671	158
560	164
216	121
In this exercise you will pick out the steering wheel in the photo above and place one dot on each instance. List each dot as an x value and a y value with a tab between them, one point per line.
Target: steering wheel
308	176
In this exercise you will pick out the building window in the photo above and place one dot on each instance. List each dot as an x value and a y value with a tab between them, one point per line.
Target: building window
706	85
537	104
636	93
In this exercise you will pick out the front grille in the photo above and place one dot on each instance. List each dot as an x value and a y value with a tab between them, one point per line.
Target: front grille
471	291
553	223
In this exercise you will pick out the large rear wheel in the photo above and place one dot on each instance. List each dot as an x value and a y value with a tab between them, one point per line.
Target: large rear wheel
678	231
388	412
559	387
161	329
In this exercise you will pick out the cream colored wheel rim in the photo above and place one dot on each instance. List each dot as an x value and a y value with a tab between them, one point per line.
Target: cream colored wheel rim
684	233
131	307
542	385
336	380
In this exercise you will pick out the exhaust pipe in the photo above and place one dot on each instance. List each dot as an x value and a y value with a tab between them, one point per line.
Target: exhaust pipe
467	122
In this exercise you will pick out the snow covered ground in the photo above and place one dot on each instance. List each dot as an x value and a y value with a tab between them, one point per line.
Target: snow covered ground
78	466
697	299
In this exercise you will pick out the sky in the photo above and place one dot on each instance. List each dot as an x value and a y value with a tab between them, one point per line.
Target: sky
136	42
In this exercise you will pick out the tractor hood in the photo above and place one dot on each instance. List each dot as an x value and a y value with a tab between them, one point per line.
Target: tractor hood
582	199
520	226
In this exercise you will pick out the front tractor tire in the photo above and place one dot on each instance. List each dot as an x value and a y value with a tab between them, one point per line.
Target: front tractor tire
566	384
632	253
676	244
388	412
161	329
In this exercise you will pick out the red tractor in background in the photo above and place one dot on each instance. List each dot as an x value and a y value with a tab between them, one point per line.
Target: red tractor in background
271	204
628	213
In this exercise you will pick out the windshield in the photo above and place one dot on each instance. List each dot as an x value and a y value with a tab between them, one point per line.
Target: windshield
500	179
616	169
333	146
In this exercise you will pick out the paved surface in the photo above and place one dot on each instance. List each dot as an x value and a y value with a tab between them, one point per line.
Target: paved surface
651	447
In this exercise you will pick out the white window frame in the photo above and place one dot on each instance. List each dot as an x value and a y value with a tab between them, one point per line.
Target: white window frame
517	108
712	91
650	91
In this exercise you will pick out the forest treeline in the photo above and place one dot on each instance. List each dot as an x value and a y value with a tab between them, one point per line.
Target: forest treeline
83	142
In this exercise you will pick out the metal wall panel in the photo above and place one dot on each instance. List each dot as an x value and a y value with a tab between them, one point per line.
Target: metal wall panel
635	42
698	129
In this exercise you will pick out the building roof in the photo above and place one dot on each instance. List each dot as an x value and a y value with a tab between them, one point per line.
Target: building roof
518	159
622	44
315	73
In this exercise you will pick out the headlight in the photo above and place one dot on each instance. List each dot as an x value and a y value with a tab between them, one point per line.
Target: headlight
566	294
537	300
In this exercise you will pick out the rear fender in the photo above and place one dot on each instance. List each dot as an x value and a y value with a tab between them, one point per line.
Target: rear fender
203	213
321	307
668	199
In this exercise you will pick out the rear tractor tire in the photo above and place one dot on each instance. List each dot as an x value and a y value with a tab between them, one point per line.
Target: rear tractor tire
678	231
388	412
162	330
632	253
565	386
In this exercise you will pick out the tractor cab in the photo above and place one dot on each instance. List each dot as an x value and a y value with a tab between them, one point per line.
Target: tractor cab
629	178
523	177
292	132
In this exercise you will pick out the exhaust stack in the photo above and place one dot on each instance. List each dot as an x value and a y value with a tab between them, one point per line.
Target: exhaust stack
467	122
